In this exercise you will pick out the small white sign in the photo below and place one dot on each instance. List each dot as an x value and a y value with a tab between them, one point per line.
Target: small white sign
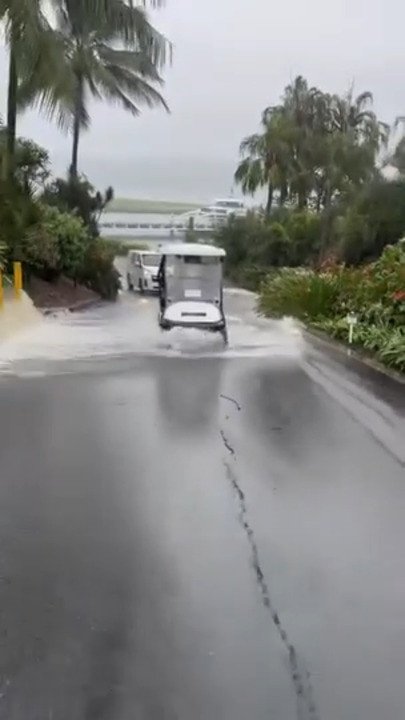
351	319
192	293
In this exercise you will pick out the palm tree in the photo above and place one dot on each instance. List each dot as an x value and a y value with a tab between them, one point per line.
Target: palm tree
396	156
355	115
114	55
305	108
29	39
265	158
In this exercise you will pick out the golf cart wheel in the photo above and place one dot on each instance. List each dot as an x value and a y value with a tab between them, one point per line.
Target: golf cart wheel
141	287
129	283
164	325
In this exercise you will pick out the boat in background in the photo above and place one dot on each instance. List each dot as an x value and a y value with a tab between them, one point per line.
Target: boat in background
219	211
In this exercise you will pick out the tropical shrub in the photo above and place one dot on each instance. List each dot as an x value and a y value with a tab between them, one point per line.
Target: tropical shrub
324	297
253	246
41	253
31	163
303	294
77	195
286	238
98	271
56	245
374	220
304	230
17	213
385	343
60	244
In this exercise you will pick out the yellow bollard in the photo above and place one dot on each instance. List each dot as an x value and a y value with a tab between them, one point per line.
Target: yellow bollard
1	289
17	280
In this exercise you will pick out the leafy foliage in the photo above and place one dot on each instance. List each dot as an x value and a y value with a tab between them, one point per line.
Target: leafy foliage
56	245
374	292
256	243
98	271
60	244
77	195
108	51
17	213
313	148
32	168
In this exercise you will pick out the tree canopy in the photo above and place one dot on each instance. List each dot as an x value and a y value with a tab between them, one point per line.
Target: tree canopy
312	148
321	158
105	49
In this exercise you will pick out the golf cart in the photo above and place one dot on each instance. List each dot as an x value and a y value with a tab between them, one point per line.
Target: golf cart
190	288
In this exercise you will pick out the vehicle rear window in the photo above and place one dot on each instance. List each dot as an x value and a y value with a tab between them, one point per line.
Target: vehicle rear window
151	260
200	259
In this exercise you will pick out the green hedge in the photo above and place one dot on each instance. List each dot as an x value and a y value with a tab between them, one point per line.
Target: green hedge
375	293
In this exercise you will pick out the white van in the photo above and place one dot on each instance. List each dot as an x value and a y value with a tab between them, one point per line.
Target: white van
142	270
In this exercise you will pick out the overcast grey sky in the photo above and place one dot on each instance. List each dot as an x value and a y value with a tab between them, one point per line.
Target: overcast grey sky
233	58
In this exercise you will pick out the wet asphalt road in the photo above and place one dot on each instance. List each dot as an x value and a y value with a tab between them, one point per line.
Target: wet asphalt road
193	534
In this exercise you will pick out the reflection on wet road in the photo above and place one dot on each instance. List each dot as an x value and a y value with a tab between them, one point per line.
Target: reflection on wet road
192	532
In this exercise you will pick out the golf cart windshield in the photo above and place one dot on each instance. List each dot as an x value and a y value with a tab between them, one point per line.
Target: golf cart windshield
192	276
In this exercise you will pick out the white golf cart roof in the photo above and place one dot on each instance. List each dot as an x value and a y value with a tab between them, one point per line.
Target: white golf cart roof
145	251
196	249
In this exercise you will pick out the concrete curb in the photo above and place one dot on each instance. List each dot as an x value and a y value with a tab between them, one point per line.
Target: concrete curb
356	355
76	307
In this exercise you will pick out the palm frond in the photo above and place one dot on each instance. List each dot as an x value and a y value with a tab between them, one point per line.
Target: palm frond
118	84
249	175
251	144
399	121
129	24
365	98
51	84
134	61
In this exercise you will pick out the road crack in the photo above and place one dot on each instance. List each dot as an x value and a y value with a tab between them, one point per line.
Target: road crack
306	707
231	400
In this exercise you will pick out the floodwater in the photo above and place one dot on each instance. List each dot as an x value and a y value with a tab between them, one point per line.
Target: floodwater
130	327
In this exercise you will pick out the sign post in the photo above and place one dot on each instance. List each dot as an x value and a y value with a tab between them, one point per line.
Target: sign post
351	320
17	280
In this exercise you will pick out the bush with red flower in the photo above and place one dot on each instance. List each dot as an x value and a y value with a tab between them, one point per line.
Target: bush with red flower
323	298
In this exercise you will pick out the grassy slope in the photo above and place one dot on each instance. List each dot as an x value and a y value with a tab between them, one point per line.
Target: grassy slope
137	205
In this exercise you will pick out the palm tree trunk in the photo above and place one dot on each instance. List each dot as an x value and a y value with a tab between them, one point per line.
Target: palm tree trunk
270	193
9	158
302	199
326	223
75	147
76	129
283	194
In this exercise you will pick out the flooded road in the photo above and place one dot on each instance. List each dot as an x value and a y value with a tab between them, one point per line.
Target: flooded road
189	531
130	327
